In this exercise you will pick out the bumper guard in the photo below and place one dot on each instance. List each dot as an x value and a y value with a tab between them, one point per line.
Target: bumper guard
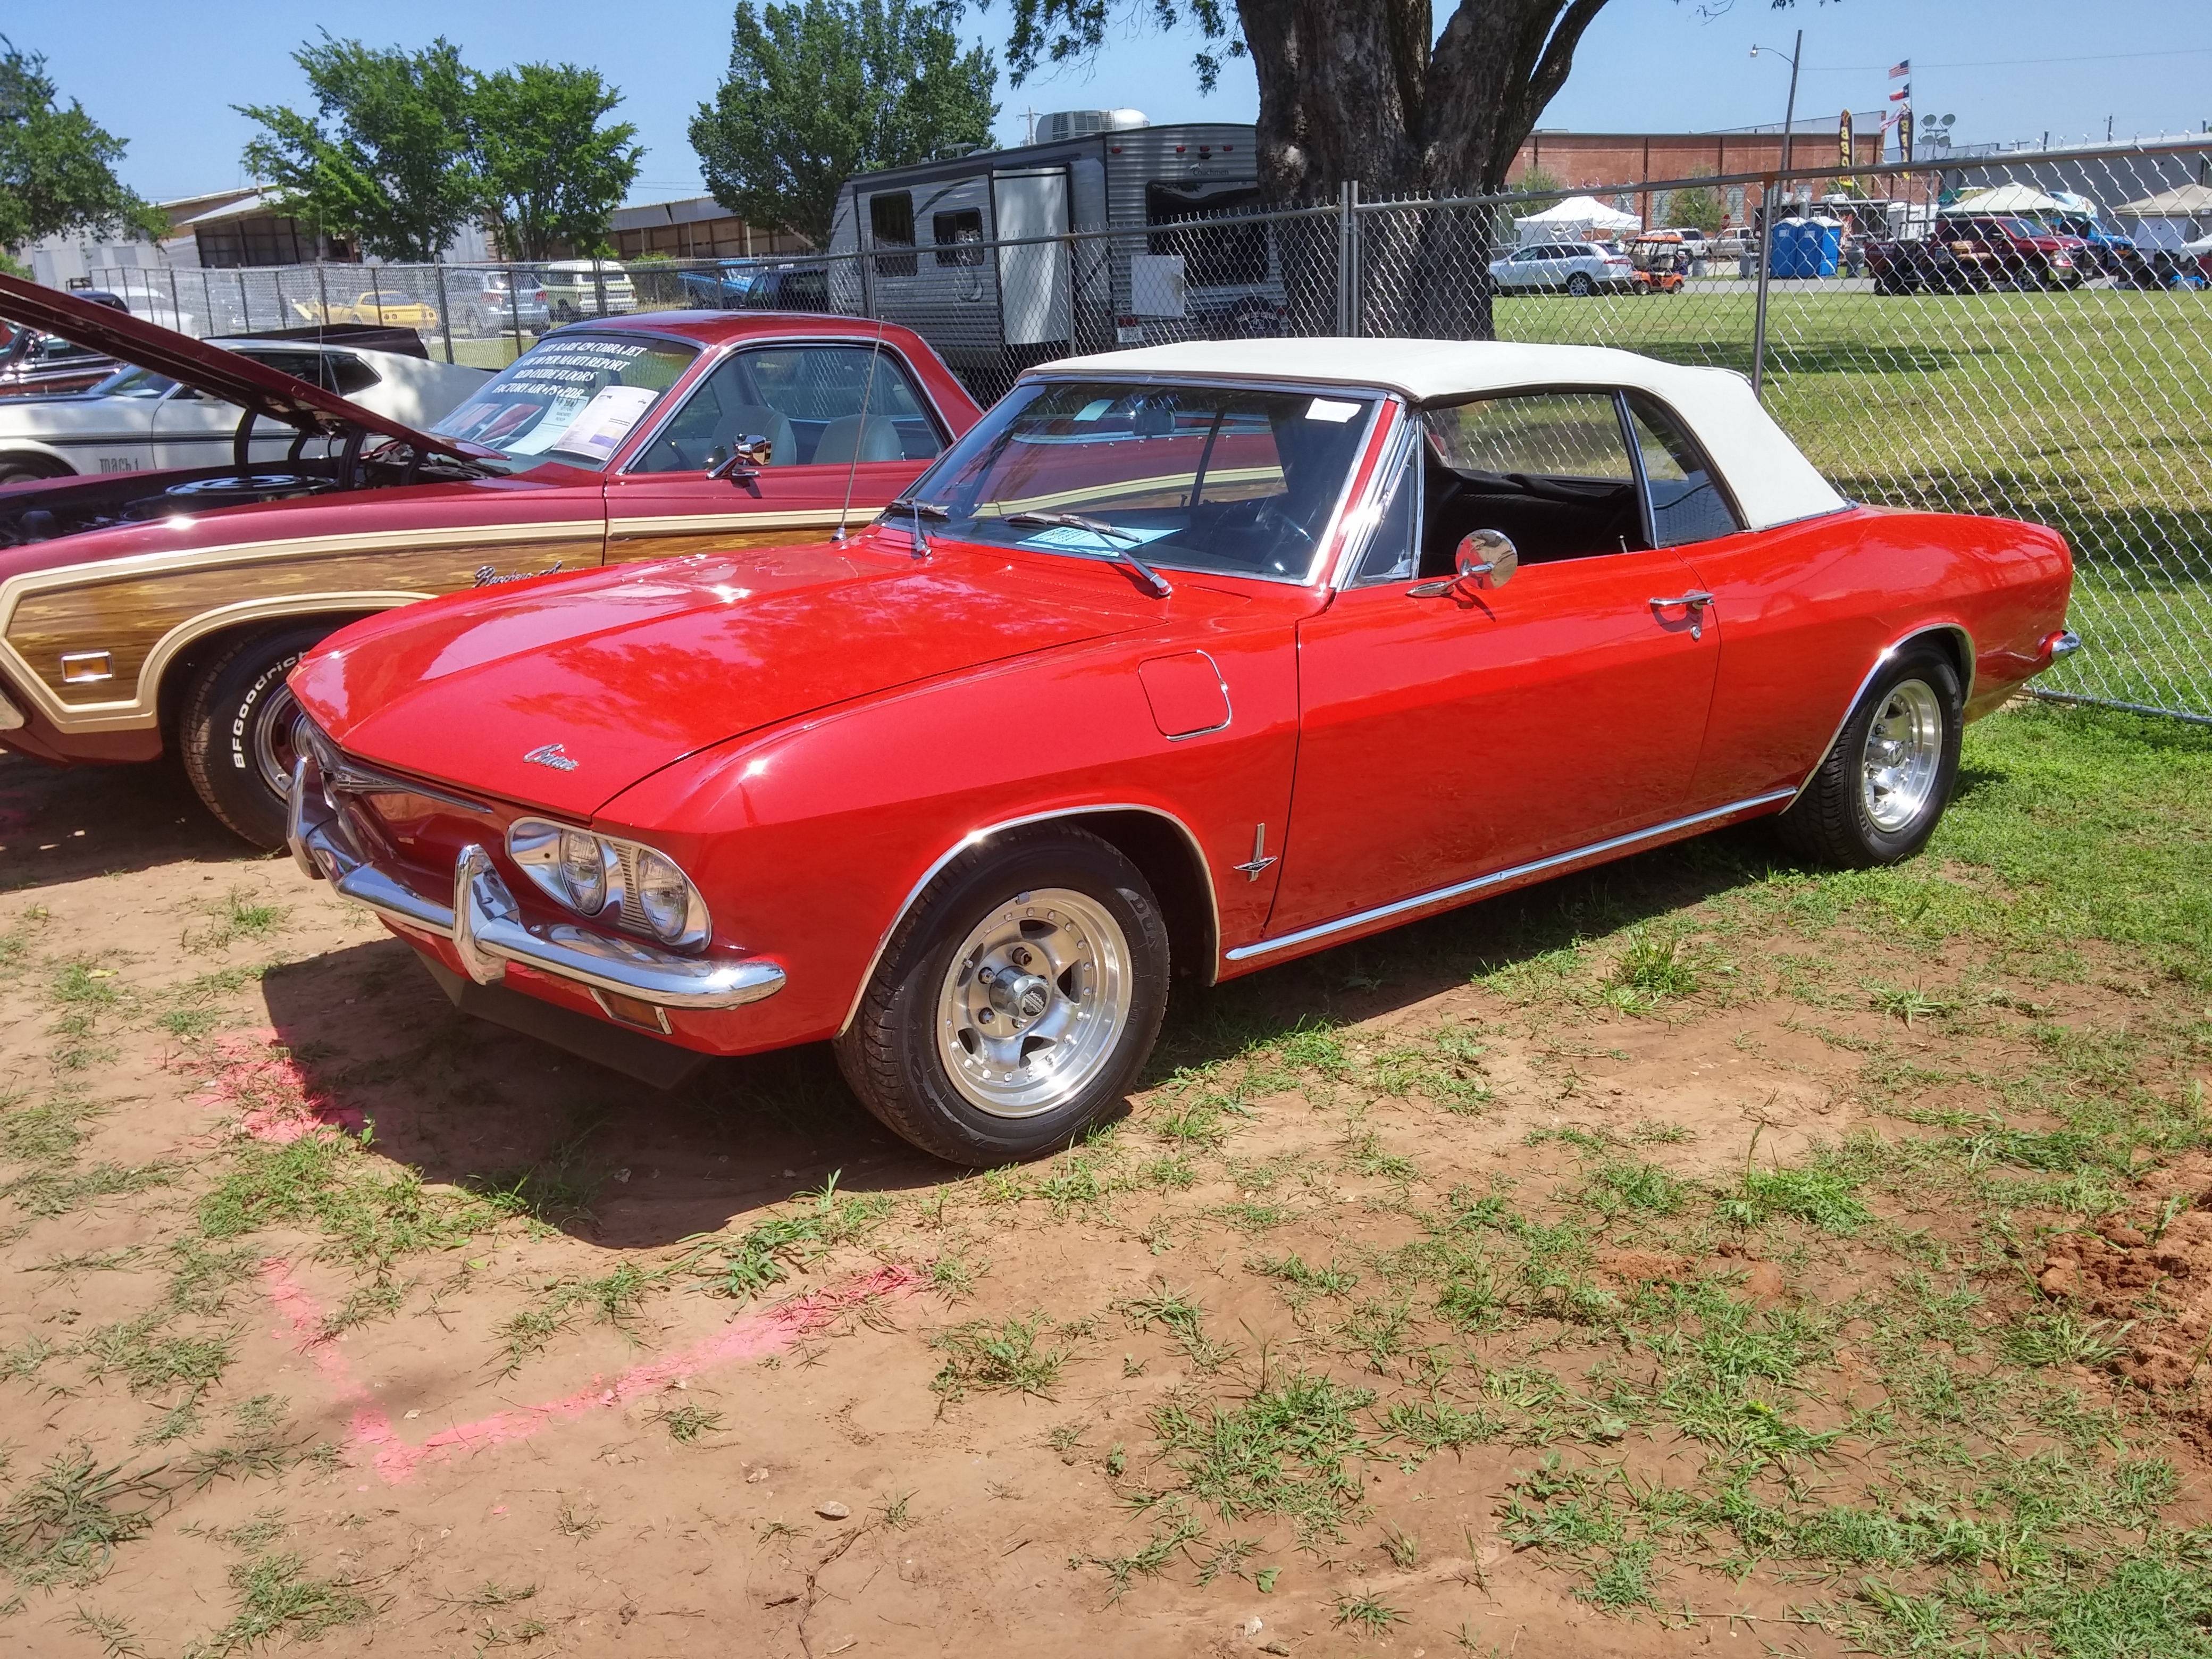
487	929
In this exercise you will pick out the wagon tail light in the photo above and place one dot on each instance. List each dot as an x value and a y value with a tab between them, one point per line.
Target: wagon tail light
639	889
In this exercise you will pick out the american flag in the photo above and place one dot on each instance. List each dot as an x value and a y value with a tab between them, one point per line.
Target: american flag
1900	69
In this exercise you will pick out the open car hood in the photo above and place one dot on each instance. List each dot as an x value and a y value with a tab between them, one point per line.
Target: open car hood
219	373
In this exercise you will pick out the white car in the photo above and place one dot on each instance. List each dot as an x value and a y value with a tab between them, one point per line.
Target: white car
587	287
1578	268
136	421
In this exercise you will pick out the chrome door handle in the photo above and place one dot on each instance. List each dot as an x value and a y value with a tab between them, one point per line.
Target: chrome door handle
1694	602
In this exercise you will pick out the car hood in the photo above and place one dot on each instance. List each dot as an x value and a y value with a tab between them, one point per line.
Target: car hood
208	368
605	677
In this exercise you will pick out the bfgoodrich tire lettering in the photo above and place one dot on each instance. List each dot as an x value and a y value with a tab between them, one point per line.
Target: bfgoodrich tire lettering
237	738
1879	794
1003	903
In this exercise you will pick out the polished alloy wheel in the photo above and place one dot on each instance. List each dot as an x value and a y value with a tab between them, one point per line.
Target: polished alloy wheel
1033	1002
1903	756
279	740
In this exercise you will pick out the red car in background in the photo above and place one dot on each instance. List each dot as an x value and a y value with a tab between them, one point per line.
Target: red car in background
147	611
2009	251
1194	659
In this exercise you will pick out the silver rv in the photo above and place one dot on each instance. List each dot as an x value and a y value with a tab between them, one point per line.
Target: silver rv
936	234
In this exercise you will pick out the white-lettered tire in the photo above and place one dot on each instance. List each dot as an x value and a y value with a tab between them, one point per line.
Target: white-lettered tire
1017	1000
1879	792
238	737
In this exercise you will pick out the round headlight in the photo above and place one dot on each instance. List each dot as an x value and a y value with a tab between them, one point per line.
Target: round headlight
583	871
663	894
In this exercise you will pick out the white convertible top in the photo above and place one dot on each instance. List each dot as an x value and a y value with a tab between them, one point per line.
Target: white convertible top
1772	482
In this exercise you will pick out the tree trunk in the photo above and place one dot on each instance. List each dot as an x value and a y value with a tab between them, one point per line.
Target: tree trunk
1351	89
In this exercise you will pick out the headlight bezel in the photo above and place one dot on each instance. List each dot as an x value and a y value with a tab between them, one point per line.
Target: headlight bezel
537	848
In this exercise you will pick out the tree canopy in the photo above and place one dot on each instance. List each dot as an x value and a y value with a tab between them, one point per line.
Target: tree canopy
405	148
819	90
57	164
548	171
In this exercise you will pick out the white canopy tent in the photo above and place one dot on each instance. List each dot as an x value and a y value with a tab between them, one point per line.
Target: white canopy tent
1575	220
2007	199
2182	202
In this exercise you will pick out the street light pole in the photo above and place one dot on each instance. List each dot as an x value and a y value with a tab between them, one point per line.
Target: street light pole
1766	218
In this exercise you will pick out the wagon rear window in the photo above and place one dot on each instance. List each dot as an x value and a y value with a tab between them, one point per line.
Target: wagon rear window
573	398
1190	478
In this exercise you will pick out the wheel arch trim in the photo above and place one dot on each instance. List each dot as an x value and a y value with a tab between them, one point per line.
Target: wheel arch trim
1059	814
1961	641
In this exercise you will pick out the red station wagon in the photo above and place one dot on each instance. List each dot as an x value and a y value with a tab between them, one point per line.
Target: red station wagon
147	611
1197	657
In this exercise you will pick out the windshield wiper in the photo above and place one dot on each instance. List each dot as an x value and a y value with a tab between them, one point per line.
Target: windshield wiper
1114	535
920	510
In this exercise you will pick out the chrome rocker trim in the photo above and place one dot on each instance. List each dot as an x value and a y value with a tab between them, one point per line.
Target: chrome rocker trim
1499	878
488	930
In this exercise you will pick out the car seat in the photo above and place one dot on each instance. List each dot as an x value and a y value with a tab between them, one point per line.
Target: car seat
847	439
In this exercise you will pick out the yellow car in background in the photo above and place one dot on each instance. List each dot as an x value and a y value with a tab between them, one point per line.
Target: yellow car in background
381	308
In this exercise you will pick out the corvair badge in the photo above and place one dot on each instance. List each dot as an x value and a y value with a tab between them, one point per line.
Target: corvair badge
552	755
488	574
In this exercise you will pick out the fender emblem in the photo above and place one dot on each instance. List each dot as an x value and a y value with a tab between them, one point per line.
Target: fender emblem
552	755
487	575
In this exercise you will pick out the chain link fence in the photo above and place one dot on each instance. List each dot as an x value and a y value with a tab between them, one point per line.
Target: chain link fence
2027	334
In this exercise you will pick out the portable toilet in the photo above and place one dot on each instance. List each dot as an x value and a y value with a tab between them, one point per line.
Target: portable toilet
1784	258
1821	247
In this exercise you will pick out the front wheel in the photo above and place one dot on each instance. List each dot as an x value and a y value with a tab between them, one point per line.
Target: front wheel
1579	285
1016	1002
240	734
1879	792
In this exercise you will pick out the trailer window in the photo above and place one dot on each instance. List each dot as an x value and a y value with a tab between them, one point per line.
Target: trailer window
950	230
891	224
1214	255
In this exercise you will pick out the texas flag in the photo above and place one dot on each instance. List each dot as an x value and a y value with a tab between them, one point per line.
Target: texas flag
1900	69
1901	93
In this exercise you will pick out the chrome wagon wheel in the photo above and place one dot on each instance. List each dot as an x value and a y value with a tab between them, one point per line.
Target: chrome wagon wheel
1034	1002
1902	756
278	740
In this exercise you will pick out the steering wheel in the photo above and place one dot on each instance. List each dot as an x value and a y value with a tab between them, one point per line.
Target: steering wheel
1271	517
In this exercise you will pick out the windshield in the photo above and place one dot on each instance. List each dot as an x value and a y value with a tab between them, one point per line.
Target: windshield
571	399
1217	479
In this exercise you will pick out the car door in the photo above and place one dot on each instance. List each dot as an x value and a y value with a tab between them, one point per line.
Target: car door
846	422
1449	735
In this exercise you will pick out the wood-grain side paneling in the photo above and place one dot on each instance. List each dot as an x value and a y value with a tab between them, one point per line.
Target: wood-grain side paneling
623	548
129	616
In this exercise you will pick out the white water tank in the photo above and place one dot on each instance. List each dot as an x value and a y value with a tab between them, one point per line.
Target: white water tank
1083	123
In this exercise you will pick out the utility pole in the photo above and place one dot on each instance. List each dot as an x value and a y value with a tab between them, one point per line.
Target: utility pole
1766	219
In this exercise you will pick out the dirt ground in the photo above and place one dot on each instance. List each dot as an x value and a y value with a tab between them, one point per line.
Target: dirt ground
344	1319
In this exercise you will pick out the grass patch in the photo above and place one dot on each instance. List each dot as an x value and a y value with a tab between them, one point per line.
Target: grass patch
768	1252
1282	1451
1002	1358
276	1597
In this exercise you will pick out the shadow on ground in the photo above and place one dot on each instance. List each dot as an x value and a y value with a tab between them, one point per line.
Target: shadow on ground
60	825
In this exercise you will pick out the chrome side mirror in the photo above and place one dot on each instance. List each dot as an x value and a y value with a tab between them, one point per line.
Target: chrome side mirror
1486	558
747	456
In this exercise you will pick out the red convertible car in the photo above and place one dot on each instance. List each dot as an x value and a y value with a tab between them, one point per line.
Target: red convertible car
145	610
1198	657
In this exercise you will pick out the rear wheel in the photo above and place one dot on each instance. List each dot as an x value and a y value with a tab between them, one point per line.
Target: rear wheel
1879	792
241	731
1017	1000
23	469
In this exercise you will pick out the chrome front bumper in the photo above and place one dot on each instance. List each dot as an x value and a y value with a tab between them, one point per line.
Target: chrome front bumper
488	930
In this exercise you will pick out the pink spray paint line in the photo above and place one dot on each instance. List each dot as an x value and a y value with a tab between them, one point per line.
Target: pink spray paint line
279	1103
372	1438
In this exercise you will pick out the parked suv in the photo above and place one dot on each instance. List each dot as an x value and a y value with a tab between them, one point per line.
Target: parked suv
483	302
1578	268
587	287
2022	254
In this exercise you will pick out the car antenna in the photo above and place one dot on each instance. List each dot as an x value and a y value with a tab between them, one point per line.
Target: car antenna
860	438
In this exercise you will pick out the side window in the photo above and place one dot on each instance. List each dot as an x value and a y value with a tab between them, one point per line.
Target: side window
348	375
950	231
816	405
891	224
1392	554
1550	470
1688	503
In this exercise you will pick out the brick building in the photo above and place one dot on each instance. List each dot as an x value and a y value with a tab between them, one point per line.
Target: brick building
1597	163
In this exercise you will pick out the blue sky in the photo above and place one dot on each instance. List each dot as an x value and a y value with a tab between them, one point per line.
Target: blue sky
164	76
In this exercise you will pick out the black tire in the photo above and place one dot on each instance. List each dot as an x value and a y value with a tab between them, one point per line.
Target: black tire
24	469
1580	286
236	733
1833	820
889	1054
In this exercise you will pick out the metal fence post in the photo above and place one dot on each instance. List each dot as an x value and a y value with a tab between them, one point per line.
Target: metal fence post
445	311
865	243
600	284
1765	270
176	305
323	292
245	306
1347	250
515	307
